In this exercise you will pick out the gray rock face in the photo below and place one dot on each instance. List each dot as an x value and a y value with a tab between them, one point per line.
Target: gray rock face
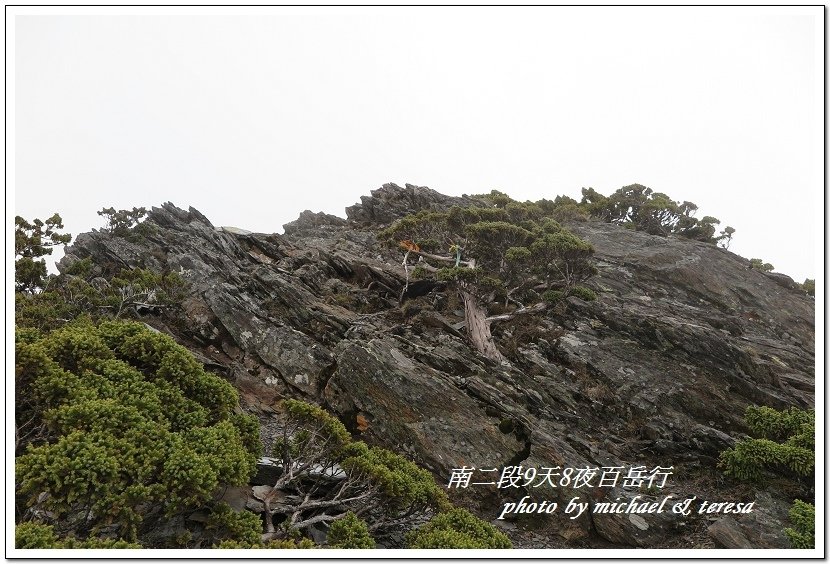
656	372
414	408
391	202
759	529
310	221
635	529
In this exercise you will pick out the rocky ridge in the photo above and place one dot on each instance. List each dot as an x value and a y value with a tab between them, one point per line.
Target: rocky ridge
656	372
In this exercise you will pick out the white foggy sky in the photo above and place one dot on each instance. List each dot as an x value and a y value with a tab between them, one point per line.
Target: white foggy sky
254	118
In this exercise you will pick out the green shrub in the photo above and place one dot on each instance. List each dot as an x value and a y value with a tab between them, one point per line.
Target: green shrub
457	528
506	426
516	254
785	443
570	212
406	487
769	423
553	296
280	544
37	535
350	532
759	264
583	293
69	296
456	273
803	518
227	524
500	248
640	208
496	198
34	535
133	421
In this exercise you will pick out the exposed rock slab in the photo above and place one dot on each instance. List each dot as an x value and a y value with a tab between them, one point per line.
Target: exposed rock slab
762	528
412	408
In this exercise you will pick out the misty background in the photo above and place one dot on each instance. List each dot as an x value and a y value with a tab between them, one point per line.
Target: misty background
254	116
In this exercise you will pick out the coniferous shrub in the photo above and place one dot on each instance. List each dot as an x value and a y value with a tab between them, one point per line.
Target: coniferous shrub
350	532
278	544
784	444
803	518
583	293
228	525
640	208
457	528
131	427
38	535
553	296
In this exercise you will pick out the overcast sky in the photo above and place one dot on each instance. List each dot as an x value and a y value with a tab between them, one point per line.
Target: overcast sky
254	118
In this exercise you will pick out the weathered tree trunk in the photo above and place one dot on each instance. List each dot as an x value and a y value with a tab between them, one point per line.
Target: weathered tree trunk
478	328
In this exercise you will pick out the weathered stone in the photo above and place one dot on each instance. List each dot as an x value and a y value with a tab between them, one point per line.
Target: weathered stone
303	363
236	496
634	529
783	280
260	492
404	399
309	221
762	528
391	202
728	534
267	473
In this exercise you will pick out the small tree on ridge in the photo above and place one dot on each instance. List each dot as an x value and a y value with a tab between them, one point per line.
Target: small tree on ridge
508	251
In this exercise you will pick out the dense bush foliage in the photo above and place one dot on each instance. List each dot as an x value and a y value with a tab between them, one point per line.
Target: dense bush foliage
80	292
48	301
457	528
350	532
784	444
803	518
279	544
117	424
226	525
500	251
38	535
583	293
508	244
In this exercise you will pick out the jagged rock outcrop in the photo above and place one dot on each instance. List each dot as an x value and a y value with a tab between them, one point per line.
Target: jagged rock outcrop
657	371
390	202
